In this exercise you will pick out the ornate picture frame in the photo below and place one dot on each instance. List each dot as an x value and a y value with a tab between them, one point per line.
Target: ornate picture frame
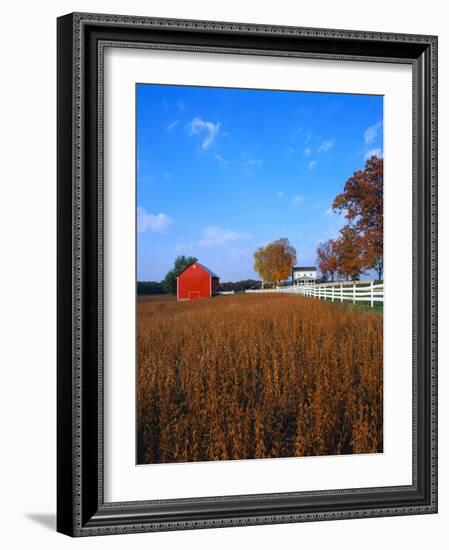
81	507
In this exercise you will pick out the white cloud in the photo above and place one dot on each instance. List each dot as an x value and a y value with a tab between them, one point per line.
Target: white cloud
183	246
371	132
280	194
222	161
329	211
238	253
326	145
215	235
307	152
206	128
155	223
332	108
298	199
312	164
172	125
373	152
254	162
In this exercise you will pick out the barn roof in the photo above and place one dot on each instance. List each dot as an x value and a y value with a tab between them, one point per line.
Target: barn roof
211	273
207	270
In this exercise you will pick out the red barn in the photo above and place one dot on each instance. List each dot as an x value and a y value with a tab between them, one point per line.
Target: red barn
196	281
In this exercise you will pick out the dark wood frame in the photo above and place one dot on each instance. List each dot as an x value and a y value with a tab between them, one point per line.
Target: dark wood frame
81	507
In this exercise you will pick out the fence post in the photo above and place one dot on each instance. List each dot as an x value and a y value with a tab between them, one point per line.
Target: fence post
353	293
341	292
332	292
372	293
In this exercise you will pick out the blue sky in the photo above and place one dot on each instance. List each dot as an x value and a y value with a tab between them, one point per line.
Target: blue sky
221	172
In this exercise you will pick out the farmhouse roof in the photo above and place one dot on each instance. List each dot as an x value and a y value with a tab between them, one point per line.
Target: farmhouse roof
312	268
207	270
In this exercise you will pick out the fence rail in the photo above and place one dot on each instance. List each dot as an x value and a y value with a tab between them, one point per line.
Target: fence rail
361	291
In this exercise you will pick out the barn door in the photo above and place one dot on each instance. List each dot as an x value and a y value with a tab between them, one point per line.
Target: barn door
194	294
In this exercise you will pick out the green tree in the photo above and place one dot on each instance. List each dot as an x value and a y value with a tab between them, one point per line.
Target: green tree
274	262
181	262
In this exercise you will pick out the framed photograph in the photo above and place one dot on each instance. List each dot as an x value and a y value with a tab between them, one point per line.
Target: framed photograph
247	274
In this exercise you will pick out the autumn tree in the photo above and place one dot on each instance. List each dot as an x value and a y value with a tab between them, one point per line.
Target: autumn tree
327	259
274	262
362	203
348	252
181	262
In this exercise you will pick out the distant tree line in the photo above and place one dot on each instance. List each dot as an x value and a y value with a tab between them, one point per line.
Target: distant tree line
149	287
168	284
359	246
247	284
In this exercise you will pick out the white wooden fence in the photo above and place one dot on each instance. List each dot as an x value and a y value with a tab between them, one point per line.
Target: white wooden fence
359	291
226	292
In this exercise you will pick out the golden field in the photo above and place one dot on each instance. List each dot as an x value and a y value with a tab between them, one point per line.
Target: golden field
256	376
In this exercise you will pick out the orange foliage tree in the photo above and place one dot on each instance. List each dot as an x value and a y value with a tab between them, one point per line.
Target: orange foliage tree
362	202
274	262
349	254
327	259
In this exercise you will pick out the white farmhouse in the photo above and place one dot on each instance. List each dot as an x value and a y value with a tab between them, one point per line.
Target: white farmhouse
304	275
